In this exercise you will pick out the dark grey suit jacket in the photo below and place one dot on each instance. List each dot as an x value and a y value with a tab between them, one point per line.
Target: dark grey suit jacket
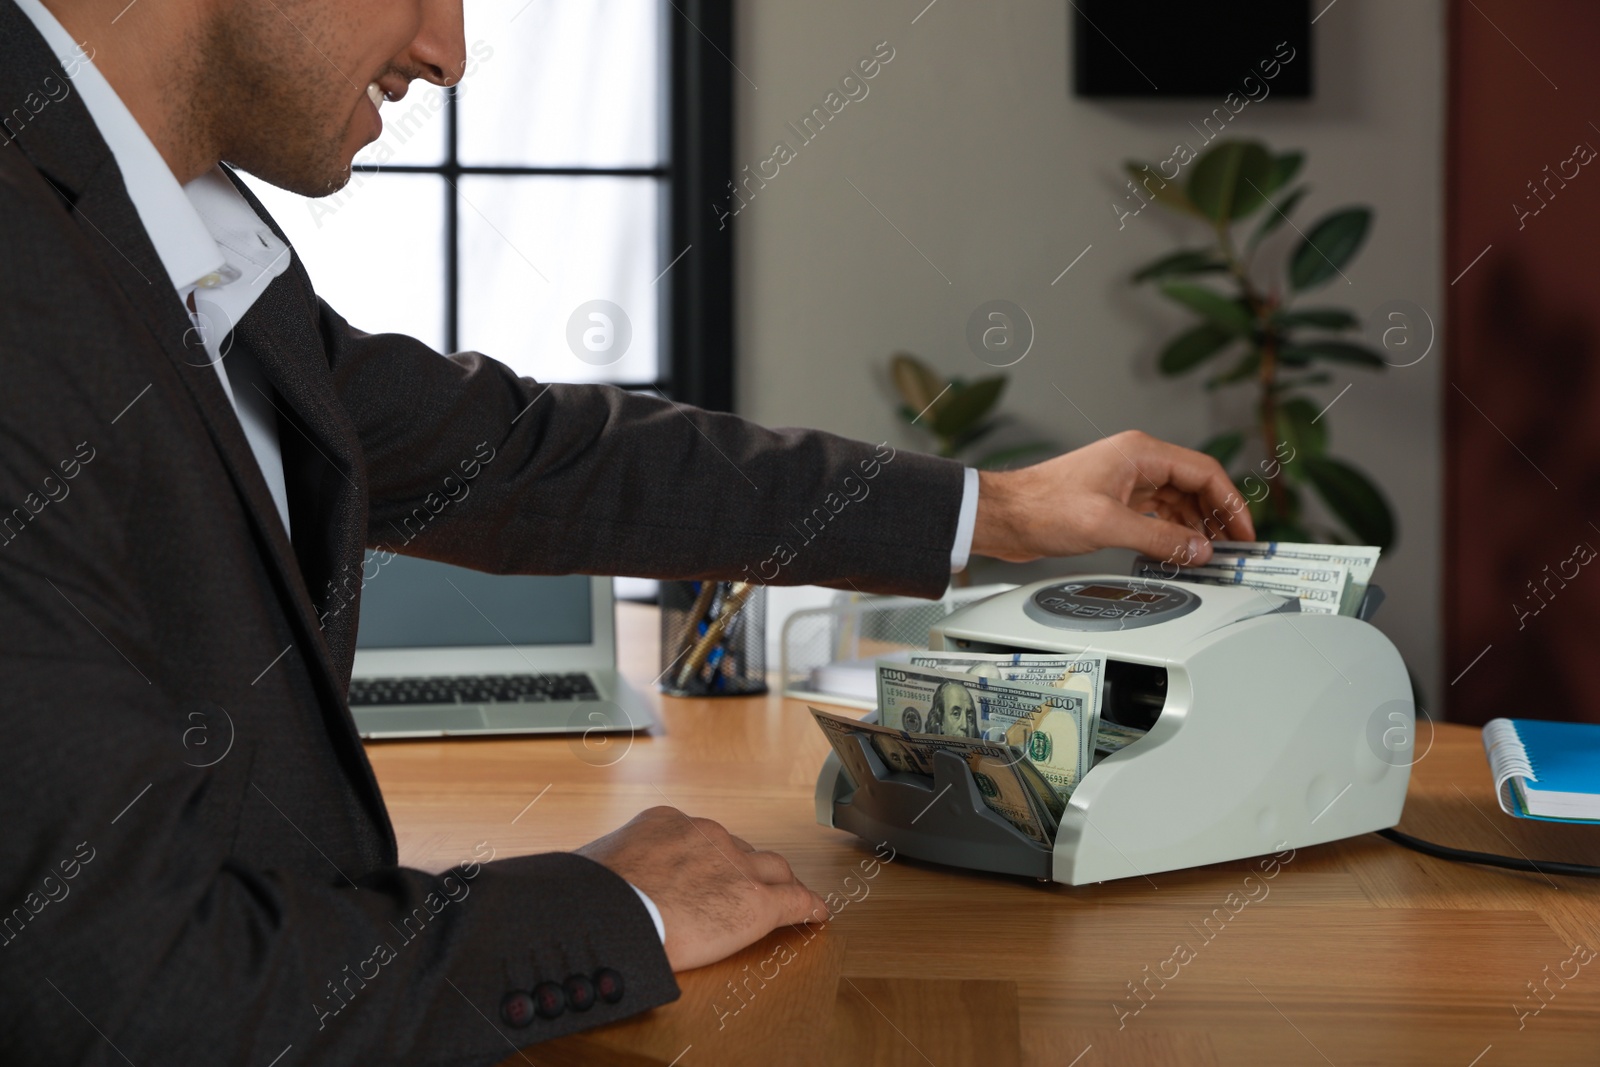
196	864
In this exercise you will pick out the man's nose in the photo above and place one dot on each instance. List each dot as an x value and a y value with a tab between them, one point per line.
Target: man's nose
439	50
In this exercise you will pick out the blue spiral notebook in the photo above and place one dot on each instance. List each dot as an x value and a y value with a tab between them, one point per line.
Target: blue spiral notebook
1545	770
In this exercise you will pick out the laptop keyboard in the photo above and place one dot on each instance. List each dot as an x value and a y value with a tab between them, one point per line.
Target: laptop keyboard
472	689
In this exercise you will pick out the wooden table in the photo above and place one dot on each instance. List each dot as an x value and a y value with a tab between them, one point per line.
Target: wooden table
1358	952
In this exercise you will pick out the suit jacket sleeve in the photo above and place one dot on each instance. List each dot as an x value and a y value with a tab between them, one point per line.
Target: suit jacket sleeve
590	479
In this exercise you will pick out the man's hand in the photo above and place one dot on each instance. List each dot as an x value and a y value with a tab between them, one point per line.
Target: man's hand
1099	497
716	893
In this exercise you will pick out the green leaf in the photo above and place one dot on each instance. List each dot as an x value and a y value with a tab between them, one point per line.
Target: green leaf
1331	244
916	383
1193	347
1244	369
1168	194
999	459
1284	168
964	408
1189	261
1298	425
1298	355
1318	318
1228	180
1226	312
1224	447
1353	499
967	438
1277	216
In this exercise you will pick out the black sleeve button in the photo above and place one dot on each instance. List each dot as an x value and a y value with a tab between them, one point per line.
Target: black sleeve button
580	992
608	984
549	1000
517	1009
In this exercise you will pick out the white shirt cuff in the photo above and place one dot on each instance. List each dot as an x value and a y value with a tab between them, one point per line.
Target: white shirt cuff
966	523
655	913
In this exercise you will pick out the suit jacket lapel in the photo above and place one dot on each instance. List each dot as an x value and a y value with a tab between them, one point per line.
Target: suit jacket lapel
103	206
323	472
326	482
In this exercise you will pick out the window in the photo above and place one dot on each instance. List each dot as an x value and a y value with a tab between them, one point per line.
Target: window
552	210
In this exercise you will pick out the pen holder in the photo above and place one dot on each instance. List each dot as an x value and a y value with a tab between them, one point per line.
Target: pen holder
713	640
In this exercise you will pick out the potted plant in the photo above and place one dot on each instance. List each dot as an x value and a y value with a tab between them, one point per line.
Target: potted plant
956	413
1250	327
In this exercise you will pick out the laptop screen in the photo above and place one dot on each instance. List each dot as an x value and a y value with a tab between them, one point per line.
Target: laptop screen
417	603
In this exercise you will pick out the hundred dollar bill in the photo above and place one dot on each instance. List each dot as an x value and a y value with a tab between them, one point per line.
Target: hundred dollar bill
1316	598
841	734
1265	573
1049	802
995	767
1278	569
997	772
1073	671
1061	671
1006	795
1114	737
1053	725
894	747
1035	668
915	753
920	749
1361	559
900	751
898	754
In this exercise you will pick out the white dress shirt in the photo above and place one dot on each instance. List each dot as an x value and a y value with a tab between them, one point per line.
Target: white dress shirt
966	523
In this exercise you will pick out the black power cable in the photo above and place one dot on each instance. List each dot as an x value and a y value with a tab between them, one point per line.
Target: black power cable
1489	859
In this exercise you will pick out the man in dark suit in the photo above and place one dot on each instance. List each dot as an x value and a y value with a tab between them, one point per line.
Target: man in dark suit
178	499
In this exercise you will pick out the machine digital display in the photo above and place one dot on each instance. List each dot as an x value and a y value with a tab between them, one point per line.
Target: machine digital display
1109	604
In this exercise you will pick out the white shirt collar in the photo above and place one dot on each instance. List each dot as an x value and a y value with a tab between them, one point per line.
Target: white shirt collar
176	229
212	243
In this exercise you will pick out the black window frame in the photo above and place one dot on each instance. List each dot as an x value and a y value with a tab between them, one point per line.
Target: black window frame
695	363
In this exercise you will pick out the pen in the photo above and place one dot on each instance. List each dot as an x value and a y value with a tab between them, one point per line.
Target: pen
738	593
697	614
713	676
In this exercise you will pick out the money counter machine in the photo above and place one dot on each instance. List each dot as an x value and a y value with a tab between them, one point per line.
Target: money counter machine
1267	728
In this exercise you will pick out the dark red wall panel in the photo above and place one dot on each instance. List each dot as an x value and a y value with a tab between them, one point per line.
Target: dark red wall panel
1522	382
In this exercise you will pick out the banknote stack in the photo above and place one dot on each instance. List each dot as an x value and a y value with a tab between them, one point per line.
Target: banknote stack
1326	579
1004	777
1026	725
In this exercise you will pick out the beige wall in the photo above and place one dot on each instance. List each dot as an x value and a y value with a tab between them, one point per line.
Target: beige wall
971	144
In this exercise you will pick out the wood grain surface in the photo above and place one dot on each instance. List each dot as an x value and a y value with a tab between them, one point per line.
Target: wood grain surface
1357	952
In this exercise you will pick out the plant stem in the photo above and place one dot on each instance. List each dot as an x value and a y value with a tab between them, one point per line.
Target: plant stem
1261	307
1269	414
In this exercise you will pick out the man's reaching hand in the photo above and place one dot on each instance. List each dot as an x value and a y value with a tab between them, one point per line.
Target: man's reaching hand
1125	491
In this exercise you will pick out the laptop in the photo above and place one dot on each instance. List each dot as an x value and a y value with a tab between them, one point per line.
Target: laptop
444	651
